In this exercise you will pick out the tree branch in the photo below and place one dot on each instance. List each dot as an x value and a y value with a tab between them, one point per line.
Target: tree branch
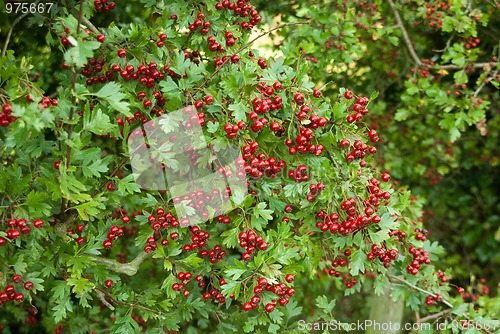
405	33
129	268
413	53
434	316
444	301
100	294
9	34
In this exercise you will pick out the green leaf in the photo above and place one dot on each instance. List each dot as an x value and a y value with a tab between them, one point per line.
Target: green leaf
323	303
357	263
192	260
112	93
240	111
37	204
97	122
80	53
261	211
235	273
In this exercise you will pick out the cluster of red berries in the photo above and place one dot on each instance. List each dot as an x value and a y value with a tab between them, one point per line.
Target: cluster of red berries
419	257
92	70
359	108
279	289
214	255
267	103
261	165
215	294
400	235
314	190
299	174
430	300
232	130
10	294
359	152
146	75
198	239
338	263
199	199
114	233
250	241
243	9
303	142
6	116
184	277
18	227
384	255
104	5
200	23
420	235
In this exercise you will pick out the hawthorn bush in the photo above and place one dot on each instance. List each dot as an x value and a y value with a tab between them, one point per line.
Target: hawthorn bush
84	248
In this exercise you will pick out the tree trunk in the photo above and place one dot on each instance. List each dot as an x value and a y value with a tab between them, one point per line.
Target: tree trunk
386	315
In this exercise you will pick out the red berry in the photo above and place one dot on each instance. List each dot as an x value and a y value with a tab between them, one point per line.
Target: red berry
269	308
316	93
28	285
348	94
111	186
299	98
101	38
109	283
247	306
17	278
38	223
289	278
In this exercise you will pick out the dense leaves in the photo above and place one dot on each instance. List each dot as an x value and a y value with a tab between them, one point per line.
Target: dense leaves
83	248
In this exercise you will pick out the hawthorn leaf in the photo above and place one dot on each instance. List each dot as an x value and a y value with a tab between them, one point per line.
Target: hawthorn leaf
79	54
112	93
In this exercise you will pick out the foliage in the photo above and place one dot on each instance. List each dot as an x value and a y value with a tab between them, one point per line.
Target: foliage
83	248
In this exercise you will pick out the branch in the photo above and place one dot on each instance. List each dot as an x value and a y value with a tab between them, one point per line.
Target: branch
129	269
248	45
434	316
9	34
100	293
414	55
444	301
405	33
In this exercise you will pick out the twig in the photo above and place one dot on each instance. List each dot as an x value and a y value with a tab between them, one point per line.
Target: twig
444	301
413	53
102	298
481	86
129	269
418	320
113	300
434	316
248	45
90	25
405	33
9	34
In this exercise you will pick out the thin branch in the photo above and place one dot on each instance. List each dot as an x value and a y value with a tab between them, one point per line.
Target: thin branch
444	301
9	34
434	316
481	86
405	33
248	45
114	301
413	53
474	65
90	25
129	268
102	298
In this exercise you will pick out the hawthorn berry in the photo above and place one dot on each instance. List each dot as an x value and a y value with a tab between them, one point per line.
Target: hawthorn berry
109	283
